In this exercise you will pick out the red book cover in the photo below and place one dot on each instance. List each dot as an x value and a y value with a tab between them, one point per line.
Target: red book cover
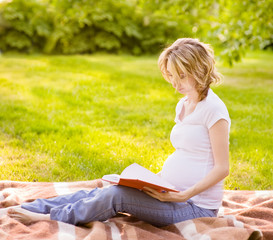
136	176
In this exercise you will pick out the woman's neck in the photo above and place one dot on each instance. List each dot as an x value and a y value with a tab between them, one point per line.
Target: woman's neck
192	97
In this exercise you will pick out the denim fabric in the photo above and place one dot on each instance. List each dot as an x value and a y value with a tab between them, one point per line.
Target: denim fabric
101	204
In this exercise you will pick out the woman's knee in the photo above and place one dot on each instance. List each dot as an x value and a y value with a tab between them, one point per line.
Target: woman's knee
115	190
118	192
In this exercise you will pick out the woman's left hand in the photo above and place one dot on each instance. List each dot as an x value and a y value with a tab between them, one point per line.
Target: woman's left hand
167	196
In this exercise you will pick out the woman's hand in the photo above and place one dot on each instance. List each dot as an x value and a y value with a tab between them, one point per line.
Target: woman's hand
167	196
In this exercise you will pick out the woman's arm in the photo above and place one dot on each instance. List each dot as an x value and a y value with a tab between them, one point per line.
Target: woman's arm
218	134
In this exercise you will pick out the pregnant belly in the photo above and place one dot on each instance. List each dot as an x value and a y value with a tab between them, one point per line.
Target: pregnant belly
183	171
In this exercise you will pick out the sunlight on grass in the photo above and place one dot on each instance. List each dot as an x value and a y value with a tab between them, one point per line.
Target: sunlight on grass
67	118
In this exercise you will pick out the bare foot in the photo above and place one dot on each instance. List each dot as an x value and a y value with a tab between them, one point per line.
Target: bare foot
9	199
26	217
4	211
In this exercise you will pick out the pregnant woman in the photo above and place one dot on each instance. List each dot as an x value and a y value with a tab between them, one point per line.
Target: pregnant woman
197	167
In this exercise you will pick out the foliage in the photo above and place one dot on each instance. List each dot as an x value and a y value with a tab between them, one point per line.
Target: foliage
244	25
64	26
134	26
25	25
232	26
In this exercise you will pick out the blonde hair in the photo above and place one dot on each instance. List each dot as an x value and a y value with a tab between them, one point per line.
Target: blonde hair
189	56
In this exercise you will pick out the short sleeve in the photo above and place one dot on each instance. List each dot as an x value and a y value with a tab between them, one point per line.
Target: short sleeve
214	113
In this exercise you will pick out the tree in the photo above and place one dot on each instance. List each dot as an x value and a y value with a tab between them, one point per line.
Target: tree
135	26
243	25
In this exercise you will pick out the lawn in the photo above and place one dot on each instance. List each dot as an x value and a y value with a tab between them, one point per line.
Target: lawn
70	118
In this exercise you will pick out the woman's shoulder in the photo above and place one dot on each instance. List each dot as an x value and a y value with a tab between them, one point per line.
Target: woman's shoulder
214	109
213	102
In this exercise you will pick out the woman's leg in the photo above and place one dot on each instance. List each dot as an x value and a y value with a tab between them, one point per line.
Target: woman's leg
109	201
44	205
39	209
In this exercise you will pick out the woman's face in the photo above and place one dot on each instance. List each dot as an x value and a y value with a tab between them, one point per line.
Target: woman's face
183	84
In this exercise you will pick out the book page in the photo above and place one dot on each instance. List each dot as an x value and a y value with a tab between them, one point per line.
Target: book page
135	171
113	178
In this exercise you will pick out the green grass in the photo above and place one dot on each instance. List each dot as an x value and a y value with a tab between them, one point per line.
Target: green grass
69	118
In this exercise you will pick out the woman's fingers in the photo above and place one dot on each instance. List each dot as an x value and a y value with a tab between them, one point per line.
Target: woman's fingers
153	193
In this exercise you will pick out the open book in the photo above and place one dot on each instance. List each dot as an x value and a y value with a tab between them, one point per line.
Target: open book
136	176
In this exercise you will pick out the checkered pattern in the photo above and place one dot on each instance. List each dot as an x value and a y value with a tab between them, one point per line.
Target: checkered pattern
244	215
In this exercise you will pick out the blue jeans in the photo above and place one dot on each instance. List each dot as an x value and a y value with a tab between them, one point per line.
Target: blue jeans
101	204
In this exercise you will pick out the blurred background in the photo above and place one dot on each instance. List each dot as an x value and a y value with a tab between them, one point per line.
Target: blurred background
134	26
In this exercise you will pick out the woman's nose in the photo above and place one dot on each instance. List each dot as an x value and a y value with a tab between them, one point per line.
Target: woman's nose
174	84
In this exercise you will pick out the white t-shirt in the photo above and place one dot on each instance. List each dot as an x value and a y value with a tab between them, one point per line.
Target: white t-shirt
193	158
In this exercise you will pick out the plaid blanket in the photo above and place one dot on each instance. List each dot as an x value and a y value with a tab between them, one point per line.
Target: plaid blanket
244	215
